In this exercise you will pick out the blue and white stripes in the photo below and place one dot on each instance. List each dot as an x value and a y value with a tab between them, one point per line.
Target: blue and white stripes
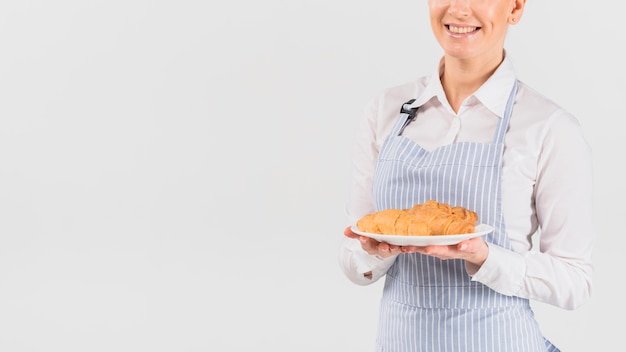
430	304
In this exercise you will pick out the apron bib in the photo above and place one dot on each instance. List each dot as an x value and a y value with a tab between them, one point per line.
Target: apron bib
430	304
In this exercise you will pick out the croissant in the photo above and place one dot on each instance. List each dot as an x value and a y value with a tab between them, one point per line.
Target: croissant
427	219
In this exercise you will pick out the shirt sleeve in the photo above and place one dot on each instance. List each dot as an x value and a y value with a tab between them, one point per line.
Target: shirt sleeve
559	271
355	263
353	260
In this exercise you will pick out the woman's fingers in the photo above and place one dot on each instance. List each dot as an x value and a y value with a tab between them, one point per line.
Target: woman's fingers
348	233
372	246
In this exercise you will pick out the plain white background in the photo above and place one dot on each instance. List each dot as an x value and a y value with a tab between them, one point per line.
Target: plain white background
173	173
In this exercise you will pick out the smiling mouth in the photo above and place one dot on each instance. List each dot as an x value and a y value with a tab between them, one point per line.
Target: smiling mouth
462	30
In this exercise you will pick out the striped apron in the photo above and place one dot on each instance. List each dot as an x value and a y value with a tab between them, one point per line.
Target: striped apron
430	304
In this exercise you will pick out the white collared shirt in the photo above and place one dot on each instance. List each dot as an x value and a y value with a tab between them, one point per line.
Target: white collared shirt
546	183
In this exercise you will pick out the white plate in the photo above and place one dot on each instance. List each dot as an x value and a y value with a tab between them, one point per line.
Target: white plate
441	240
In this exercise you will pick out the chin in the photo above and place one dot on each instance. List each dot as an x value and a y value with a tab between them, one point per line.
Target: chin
459	53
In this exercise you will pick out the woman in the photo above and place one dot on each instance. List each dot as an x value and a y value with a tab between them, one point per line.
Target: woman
472	135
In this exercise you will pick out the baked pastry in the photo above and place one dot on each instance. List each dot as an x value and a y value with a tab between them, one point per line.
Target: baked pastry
426	219
464	213
387	220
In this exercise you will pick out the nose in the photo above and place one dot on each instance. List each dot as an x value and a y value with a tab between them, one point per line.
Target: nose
460	8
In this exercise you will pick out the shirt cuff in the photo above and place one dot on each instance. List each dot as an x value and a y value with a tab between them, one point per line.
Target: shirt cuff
503	271
377	265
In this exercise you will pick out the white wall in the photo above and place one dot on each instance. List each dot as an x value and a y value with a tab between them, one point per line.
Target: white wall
173	173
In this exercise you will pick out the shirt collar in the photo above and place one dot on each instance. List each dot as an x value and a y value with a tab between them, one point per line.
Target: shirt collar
493	94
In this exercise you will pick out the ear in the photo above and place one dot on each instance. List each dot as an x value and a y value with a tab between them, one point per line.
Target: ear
517	10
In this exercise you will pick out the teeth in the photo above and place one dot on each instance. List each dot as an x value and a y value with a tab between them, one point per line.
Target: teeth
461	30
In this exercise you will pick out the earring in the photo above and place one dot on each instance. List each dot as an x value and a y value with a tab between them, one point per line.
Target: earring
513	19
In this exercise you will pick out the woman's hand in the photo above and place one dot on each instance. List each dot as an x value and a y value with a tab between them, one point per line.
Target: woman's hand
474	250
373	247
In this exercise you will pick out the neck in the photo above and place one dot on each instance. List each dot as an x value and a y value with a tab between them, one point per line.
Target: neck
462	77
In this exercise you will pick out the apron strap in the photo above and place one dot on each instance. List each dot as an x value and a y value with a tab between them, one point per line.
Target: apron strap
504	121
